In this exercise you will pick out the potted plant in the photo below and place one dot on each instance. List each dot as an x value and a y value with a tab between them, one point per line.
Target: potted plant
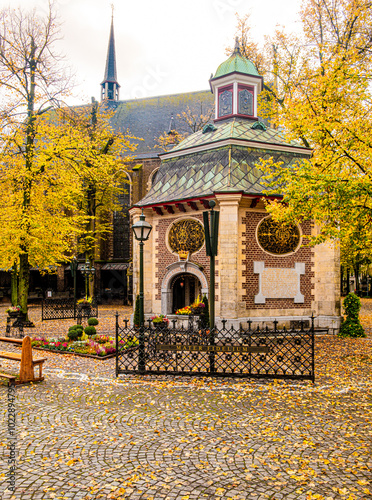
160	321
85	302
13	311
197	307
184	311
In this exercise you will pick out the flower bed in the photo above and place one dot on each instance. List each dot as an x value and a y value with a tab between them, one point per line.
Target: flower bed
98	346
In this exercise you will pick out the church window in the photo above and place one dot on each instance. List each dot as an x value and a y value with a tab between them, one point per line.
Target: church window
245	101
225	101
121	227
154	176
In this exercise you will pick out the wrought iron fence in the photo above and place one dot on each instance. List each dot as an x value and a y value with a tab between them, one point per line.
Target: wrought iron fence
59	308
276	353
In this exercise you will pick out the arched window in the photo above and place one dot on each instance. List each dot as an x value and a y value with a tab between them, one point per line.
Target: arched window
121	226
152	178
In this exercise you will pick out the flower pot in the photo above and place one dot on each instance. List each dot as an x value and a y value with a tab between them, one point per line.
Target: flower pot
13	314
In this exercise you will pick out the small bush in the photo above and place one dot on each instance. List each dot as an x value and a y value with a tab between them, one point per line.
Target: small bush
352	327
205	314
75	327
73	335
90	330
93	321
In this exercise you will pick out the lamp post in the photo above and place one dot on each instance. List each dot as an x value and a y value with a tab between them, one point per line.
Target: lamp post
74	267
141	230
211	245
87	270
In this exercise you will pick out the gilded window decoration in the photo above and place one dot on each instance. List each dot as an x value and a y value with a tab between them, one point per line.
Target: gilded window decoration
277	238
186	236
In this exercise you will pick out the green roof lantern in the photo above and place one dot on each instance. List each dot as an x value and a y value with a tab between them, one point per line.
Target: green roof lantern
236	63
236	86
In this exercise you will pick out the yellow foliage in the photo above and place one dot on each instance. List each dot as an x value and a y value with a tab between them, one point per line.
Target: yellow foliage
317	91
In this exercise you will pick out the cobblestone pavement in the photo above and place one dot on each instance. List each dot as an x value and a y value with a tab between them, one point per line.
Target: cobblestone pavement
82	434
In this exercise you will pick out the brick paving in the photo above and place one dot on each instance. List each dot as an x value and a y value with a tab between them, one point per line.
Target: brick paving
82	434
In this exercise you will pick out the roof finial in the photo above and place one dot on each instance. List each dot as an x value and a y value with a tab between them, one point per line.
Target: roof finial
172	127
237	46
112	8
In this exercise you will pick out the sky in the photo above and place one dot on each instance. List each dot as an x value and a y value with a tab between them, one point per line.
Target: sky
163	46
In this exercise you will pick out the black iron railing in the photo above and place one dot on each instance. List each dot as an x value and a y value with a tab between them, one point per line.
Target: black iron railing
268	353
59	308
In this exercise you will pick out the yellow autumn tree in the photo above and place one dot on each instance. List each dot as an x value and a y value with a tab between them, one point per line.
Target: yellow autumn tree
99	156
318	92
52	159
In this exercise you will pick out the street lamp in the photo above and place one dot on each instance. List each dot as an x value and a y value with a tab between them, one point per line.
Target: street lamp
73	268
211	244
141	230
87	270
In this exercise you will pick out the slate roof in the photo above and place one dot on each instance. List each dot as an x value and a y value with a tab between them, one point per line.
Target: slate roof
150	117
202	174
235	128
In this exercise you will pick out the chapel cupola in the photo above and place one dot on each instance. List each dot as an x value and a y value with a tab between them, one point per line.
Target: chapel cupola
236	85
110	85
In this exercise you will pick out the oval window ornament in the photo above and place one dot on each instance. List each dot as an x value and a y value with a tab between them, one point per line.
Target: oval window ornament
186	235
277	238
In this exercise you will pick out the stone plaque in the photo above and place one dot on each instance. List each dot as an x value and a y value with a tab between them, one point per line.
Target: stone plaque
279	283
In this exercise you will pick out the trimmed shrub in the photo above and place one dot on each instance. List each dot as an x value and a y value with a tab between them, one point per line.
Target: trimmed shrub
205	315
73	334
90	330
93	321
352	327
75	327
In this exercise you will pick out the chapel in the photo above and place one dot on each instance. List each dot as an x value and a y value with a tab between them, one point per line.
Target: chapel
263	272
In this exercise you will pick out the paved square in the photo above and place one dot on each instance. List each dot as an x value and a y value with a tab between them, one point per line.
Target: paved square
82	434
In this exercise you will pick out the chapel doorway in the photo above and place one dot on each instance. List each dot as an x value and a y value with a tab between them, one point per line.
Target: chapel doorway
185	289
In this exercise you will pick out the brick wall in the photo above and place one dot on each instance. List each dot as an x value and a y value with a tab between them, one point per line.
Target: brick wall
165	257
253	252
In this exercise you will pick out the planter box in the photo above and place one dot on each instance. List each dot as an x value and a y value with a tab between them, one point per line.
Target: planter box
55	351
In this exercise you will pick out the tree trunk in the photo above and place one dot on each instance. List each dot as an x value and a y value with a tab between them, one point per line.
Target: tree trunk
14	285
23	284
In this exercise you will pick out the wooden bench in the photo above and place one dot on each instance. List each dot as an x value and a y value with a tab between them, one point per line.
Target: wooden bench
11	378
26	371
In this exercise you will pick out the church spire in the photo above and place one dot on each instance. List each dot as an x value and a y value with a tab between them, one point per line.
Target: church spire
110	85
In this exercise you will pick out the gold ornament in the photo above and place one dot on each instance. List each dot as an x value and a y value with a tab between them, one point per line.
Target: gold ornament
186	236
278	238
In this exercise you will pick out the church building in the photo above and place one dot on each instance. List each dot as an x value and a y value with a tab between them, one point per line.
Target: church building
263	272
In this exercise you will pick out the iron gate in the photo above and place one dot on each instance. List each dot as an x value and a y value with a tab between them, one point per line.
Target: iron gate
276	353
59	308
